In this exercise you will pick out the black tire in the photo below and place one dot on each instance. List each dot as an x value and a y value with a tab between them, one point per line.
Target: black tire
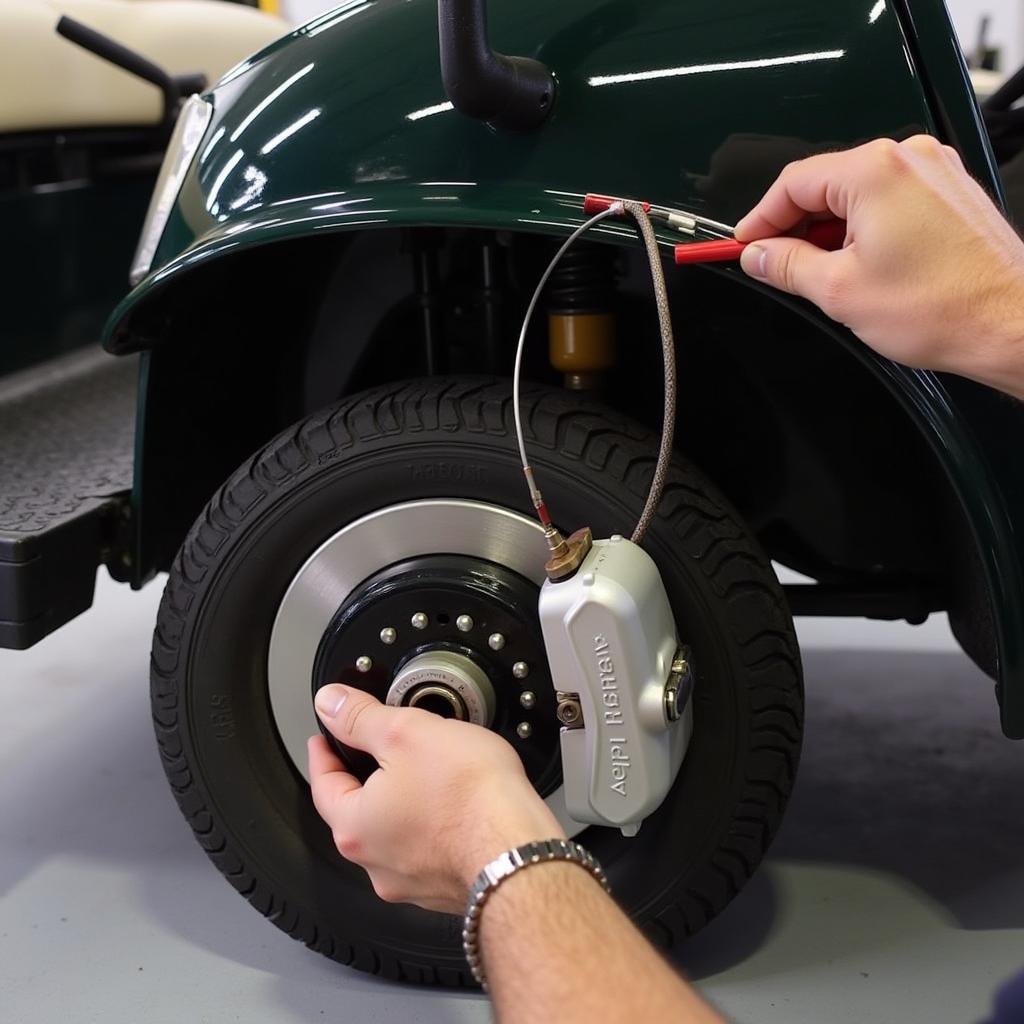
250	809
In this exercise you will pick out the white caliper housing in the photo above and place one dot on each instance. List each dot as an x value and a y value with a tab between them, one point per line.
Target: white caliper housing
611	639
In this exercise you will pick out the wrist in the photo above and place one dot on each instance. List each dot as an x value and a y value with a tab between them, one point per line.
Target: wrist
1006	373
529	858
993	353
503	825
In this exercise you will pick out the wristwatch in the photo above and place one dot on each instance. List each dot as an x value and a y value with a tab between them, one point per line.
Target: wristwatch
503	867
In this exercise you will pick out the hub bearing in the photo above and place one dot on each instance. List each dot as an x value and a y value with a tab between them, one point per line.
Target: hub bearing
447	683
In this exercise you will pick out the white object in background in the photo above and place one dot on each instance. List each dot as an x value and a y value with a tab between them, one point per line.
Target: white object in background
1005	30
60	85
986	82
299	11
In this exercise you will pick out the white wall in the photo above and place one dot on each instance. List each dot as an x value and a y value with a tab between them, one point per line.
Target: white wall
1006	29
299	11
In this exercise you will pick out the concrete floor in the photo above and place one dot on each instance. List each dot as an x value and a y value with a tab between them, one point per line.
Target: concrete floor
895	891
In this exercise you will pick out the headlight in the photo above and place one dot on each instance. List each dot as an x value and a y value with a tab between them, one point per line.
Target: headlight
188	133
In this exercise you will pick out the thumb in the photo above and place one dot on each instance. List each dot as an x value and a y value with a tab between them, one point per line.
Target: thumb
355	718
790	264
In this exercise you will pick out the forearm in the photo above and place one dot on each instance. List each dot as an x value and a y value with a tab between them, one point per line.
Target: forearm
556	947
994	355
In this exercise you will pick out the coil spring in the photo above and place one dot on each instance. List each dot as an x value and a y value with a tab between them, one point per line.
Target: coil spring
584	280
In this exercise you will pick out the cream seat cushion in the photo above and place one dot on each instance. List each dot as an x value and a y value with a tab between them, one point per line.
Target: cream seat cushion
48	82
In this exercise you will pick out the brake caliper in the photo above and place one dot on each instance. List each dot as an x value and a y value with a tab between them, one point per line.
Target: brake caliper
624	685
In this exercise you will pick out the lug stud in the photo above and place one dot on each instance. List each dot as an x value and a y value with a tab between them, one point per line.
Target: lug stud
388	635
496	641
464	623
528	699
419	620
520	670
524	730
363	663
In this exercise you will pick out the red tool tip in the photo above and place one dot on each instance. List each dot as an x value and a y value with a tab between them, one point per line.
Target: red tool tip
708	252
594	203
826	234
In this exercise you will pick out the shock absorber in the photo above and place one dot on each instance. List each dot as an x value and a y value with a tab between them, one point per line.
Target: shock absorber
581	323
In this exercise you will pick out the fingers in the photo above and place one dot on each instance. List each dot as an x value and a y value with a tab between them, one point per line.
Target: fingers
797	267
814	185
322	759
354	717
833	183
329	782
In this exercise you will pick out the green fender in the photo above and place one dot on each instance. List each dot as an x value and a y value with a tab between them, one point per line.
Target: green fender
343	125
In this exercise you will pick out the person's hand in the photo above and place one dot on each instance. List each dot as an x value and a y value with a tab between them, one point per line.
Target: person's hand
931	275
448	798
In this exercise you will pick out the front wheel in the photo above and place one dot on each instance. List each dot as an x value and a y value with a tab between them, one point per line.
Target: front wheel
396	523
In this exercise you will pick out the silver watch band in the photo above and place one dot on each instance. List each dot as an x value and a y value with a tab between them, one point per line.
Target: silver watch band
506	865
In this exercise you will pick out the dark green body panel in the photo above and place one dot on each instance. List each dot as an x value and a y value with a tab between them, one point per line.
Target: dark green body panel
693	105
703	139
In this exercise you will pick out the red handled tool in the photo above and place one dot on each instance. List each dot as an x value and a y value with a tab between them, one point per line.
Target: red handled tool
825	234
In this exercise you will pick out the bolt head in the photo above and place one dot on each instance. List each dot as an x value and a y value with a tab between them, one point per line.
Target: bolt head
568	712
419	620
363	663
464	623
673	712
495	641
388	635
677	689
528	699
524	730
520	670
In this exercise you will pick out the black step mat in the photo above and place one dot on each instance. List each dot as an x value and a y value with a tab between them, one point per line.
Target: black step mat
66	439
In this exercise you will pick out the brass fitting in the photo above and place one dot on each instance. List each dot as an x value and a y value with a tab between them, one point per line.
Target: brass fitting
566	555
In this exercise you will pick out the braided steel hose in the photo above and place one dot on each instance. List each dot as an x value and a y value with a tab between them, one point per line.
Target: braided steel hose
639	213
668	353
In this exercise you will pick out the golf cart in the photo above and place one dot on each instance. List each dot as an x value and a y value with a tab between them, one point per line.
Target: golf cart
327	291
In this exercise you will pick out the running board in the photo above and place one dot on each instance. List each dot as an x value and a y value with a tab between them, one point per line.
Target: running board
66	439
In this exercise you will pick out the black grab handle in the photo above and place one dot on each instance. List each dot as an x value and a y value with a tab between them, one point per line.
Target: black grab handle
511	93
172	87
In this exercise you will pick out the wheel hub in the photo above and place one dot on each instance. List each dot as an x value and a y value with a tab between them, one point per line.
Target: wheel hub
455	635
337	568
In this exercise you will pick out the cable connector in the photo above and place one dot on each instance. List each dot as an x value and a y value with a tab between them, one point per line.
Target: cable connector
594	203
566	555
684	223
